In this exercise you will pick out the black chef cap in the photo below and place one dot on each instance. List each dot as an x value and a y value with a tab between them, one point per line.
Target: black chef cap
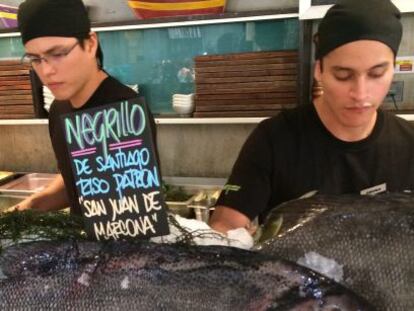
352	20
54	18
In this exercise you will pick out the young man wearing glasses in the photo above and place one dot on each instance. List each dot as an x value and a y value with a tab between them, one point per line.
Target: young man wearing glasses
341	142
65	54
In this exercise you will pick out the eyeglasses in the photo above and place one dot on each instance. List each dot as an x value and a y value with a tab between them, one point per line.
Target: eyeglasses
53	59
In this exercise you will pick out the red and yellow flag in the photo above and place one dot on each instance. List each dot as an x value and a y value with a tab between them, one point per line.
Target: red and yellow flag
163	8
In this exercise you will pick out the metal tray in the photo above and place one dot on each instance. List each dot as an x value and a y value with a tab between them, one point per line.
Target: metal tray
5	176
204	202
205	193
181	207
28	183
7	201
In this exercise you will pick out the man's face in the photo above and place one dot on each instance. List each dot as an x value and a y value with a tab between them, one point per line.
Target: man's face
355	78
65	67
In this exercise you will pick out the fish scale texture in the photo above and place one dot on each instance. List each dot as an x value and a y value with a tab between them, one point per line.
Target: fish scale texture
145	276
371	236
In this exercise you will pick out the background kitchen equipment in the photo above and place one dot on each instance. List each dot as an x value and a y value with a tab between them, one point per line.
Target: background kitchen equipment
202	196
178	198
26	184
203	203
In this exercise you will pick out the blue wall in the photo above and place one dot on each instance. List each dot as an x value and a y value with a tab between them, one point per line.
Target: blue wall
154	58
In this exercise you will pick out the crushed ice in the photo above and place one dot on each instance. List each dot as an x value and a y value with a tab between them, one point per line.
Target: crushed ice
323	265
202	234
125	283
84	279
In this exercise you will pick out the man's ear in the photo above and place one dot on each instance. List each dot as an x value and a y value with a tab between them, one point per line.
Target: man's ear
93	43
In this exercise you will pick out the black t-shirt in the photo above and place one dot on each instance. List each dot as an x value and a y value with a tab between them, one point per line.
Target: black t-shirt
293	153
109	91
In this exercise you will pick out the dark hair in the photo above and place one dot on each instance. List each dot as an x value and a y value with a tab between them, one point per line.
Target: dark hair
99	55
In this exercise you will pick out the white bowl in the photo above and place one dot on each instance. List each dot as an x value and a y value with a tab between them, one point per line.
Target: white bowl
183	96
182	102
181	108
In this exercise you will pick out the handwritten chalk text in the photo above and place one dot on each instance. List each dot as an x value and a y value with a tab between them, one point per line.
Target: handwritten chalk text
122	228
91	129
92	186
125	204
132	158
136	179
94	208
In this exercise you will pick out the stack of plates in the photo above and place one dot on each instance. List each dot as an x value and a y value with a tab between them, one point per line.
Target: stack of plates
183	104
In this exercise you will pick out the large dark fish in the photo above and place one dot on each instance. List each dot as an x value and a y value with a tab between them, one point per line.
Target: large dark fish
146	276
371	236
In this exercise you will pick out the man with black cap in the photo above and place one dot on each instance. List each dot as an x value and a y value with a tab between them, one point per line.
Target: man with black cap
341	143
65	54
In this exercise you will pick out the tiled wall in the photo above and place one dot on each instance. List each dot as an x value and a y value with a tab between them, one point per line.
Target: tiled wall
152	58
185	150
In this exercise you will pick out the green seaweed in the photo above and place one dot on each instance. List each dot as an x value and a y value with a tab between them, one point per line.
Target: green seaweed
175	193
29	225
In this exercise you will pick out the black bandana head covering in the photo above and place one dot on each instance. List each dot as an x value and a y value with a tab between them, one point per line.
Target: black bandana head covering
50	18
353	20
54	18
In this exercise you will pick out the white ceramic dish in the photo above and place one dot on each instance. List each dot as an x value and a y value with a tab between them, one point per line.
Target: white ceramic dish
183	102
183	108
183	96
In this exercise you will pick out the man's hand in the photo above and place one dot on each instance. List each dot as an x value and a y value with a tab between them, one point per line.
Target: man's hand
225	218
21	206
53	198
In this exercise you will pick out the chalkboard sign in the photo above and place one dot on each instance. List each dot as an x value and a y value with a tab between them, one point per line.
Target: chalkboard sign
116	172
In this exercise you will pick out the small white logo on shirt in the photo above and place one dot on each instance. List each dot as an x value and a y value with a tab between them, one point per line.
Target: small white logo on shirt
374	190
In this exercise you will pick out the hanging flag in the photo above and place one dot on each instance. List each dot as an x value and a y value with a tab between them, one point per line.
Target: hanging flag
163	8
8	16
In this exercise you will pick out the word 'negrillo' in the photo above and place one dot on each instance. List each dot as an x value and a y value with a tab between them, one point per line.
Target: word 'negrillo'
113	123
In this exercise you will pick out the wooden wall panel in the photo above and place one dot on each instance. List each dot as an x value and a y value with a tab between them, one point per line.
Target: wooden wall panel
16	99
245	84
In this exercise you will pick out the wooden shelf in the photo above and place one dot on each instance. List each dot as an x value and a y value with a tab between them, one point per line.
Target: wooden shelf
157	121
23	121
178	121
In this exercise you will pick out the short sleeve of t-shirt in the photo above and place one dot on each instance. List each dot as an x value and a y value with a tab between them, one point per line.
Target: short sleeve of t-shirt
293	154
248	188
